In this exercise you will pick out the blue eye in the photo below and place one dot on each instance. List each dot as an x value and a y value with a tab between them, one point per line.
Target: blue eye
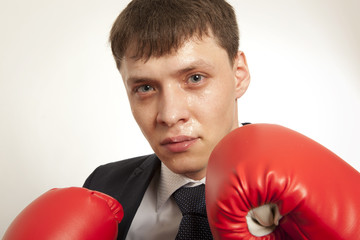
144	88
196	78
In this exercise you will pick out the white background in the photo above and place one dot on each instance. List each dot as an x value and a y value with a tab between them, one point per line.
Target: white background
63	109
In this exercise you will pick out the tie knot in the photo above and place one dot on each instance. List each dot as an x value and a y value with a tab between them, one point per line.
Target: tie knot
191	200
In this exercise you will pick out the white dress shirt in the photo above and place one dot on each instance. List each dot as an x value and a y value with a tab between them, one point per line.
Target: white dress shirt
158	216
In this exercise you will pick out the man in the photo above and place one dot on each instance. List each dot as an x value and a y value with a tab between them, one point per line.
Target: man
183	74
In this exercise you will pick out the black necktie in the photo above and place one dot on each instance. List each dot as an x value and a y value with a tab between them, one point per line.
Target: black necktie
194	224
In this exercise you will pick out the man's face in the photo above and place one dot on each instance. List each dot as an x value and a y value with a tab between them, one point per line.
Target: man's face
185	102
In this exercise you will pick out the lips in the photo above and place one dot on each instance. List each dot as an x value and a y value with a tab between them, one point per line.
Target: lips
179	143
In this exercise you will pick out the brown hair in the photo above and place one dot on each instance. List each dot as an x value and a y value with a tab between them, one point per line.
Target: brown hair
158	27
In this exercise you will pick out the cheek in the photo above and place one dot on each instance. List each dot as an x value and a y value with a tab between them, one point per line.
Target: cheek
143	117
218	100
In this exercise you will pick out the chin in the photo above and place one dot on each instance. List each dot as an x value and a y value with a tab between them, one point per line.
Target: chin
189	169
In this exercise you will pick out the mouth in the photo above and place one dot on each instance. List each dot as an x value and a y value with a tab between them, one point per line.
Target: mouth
178	144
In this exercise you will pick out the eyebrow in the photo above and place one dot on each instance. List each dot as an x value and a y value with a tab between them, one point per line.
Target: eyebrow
135	80
195	65
139	80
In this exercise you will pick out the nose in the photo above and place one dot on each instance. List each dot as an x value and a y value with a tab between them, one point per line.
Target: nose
173	106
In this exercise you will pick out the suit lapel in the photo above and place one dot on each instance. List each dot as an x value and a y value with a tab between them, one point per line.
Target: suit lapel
134	190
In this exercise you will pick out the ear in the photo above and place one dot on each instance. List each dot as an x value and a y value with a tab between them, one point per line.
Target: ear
242	74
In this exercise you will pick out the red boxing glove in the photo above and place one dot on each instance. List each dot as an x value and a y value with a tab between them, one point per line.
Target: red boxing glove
268	182
68	213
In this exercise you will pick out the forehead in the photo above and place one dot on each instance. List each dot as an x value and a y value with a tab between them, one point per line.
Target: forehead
142	50
145	47
203	51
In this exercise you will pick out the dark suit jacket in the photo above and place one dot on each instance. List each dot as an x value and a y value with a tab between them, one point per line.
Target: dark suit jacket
126	181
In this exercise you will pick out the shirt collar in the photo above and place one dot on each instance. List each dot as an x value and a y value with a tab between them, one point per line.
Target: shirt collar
169	182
